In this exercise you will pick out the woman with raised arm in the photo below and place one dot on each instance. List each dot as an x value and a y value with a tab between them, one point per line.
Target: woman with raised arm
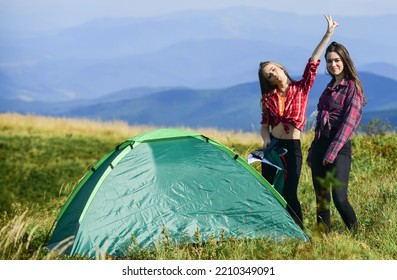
284	105
339	112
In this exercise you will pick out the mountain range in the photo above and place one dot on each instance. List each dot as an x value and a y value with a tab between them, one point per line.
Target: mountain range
194	68
231	108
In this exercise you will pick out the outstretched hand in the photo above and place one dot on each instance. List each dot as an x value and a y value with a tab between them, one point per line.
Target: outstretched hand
331	24
323	43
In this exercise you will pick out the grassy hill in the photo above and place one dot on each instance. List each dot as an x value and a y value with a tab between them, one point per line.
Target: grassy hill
41	159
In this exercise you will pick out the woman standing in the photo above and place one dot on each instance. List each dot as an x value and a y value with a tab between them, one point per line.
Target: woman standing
339	113
284	104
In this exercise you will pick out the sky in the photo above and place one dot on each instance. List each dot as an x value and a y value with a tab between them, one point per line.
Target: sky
46	15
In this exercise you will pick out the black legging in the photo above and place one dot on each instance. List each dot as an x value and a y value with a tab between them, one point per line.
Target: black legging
341	167
293	159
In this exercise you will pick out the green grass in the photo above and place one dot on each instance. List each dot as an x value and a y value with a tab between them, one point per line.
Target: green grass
39	168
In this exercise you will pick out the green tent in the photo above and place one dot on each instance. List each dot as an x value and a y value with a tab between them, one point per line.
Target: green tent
173	179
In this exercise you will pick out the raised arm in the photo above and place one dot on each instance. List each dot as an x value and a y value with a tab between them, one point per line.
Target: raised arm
324	41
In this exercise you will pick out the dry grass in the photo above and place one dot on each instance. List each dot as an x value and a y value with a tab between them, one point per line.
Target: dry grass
372	191
117	130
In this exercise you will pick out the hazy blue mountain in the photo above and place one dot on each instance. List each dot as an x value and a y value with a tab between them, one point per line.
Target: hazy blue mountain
235	107
381	69
195	49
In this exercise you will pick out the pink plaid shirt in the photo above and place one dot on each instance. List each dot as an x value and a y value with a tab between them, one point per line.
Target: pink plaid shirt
339	109
295	103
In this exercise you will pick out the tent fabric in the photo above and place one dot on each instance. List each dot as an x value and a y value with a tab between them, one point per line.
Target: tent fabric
175	179
273	167
275	175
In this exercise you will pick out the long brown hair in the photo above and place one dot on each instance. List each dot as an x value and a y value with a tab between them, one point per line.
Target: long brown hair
266	86
349	69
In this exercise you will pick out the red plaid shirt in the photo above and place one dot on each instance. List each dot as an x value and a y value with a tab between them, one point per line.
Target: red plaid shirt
339	109
295	103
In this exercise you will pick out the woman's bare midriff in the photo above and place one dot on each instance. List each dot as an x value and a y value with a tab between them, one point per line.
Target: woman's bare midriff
279	132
